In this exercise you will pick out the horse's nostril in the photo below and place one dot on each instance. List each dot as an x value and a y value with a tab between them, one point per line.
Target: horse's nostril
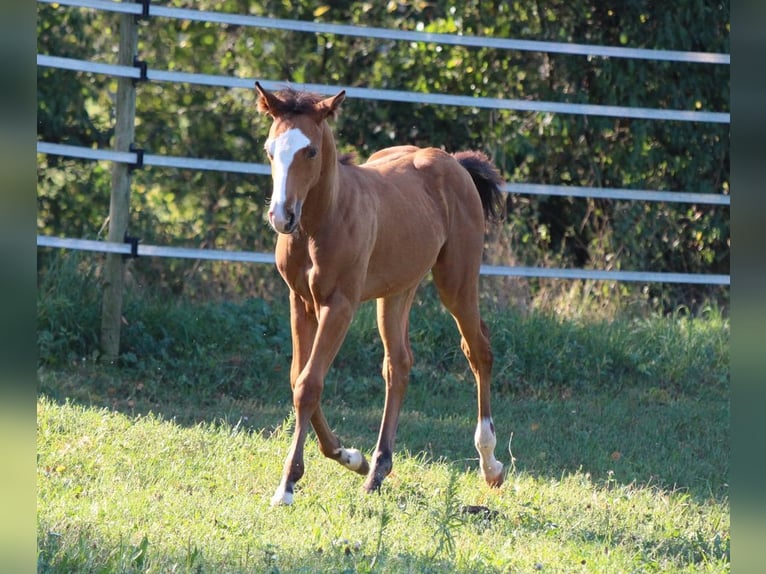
290	219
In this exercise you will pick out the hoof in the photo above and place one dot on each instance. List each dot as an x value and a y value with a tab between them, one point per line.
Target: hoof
381	468
364	468
373	482
371	486
282	497
494	477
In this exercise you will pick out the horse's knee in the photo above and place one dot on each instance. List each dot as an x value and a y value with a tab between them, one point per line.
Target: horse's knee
397	366
479	355
307	393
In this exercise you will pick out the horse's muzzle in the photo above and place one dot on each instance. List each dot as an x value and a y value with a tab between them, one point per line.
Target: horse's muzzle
284	219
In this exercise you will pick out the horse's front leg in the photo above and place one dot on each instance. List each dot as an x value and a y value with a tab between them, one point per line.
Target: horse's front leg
303	328
303	324
312	363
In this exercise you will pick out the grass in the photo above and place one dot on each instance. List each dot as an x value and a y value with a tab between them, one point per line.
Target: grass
142	494
615	434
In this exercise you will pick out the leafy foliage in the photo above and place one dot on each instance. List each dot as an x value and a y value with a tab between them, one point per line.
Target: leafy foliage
210	209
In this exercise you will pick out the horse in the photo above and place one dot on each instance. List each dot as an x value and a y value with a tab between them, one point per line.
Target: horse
351	233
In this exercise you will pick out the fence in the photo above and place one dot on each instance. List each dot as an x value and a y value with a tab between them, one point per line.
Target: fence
125	156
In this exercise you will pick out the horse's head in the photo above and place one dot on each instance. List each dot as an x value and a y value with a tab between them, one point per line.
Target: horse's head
295	149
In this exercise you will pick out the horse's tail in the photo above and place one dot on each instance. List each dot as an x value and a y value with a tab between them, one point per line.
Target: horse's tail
487	179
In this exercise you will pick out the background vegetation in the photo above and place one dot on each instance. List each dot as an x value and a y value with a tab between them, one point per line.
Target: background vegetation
208	209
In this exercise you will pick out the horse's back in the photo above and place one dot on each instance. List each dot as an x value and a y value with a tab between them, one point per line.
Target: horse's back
402	173
390	154
425	163
418	157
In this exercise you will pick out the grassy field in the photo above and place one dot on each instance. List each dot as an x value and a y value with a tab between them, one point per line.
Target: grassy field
615	435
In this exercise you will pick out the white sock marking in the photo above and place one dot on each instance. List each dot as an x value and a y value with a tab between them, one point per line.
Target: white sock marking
485	441
351	458
281	496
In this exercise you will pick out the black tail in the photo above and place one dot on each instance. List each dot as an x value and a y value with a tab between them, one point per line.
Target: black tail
487	179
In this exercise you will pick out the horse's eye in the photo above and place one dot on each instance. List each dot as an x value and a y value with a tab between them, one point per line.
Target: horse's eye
311	152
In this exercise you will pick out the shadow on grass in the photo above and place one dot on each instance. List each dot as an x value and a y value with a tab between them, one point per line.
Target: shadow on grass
634	437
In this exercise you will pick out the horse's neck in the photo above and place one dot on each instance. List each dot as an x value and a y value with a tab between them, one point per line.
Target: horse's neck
322	196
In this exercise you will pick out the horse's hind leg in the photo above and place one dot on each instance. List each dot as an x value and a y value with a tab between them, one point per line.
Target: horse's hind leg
393	324
456	279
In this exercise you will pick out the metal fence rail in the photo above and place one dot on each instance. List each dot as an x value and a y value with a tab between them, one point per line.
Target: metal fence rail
263	169
138	9
493	270
391	95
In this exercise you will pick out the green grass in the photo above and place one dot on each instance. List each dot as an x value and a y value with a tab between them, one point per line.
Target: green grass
615	434
143	494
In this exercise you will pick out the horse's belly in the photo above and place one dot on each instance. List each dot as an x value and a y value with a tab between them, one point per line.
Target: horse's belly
395	270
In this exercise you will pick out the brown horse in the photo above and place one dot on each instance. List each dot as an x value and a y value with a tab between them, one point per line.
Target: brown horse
351	233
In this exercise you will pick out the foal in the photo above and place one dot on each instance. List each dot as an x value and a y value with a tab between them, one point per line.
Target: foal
350	233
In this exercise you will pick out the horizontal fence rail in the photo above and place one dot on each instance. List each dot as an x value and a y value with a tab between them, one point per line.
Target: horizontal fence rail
491	270
146	9
263	169
132	158
391	95
400	35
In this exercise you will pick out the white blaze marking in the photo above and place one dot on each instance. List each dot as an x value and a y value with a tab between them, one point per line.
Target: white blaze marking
282	150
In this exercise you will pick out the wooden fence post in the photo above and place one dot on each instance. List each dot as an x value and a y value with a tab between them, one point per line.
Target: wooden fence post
119	205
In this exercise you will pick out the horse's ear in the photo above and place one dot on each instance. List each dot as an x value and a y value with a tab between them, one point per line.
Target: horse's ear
267	102
328	108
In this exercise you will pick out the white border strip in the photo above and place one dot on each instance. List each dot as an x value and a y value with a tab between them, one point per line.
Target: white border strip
404	35
263	169
492	270
393	95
